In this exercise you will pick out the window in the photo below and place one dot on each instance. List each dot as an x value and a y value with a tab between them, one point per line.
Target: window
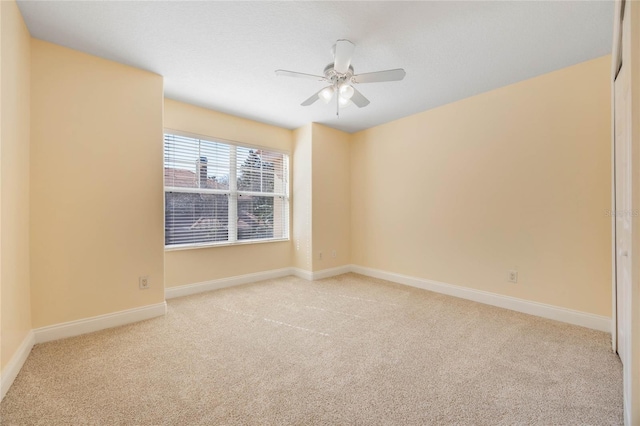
219	193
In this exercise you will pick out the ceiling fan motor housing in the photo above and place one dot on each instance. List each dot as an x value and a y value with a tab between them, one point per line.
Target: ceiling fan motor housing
337	78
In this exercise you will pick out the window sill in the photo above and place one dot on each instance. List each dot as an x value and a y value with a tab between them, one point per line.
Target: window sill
225	244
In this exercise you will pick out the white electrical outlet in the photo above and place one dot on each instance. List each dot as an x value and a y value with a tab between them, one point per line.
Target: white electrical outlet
143	282
334	254
513	276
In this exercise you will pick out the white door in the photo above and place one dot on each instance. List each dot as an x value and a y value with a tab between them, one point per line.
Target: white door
623	212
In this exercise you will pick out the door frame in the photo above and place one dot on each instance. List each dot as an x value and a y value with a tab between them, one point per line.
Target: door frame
616	62
631	369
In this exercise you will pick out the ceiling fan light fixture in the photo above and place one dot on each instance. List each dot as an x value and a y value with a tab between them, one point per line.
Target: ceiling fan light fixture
343	102
326	94
346	91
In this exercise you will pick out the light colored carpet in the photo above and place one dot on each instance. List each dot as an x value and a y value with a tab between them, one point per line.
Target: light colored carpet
345	350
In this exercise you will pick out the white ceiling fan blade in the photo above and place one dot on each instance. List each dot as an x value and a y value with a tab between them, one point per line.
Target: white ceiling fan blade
285	73
358	99
342	57
380	76
312	98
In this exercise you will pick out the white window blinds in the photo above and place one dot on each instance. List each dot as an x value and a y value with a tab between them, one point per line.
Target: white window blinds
218	193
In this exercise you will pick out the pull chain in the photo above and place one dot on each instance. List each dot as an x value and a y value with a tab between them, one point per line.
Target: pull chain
337	92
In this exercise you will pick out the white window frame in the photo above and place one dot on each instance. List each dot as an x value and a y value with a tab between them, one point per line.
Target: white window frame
232	192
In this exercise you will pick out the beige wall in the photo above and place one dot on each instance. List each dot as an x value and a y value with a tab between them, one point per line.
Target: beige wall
302	199
201	121
205	264
14	166
331	197
516	178
96	185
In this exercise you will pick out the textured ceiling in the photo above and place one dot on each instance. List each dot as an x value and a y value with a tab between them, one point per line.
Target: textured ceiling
222	55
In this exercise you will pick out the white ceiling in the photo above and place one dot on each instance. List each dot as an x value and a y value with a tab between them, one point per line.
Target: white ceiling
222	55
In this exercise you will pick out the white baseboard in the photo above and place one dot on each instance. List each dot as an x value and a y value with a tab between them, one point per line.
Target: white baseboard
326	273
302	273
15	364
557	313
100	322
185	290
318	275
188	289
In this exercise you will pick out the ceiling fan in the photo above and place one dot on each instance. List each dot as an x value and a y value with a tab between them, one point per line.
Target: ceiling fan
341	79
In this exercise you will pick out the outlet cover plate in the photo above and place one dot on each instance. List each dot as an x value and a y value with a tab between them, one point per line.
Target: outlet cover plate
143	282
